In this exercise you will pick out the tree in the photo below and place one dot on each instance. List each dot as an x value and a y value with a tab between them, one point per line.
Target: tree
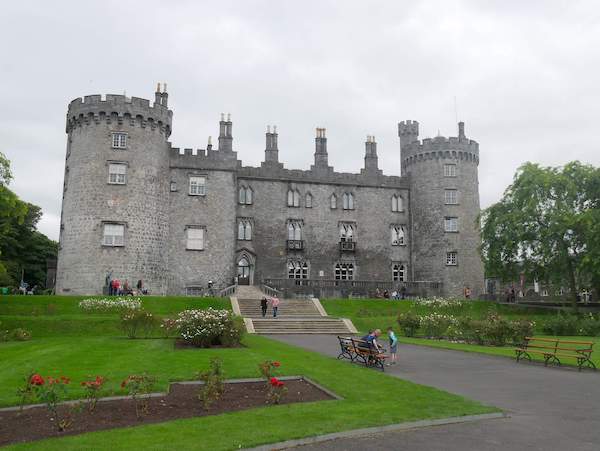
547	226
5	174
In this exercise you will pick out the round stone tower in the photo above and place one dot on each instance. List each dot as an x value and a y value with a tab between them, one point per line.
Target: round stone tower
444	205
114	220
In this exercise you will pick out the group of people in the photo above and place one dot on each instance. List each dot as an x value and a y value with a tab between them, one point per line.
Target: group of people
373	339
118	288
264	305
396	294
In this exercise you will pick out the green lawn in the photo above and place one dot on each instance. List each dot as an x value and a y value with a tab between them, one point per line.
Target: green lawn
370	397
367	314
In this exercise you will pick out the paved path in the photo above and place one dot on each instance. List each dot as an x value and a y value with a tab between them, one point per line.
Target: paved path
549	408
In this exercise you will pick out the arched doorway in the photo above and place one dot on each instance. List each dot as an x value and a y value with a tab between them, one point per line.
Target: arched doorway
244	270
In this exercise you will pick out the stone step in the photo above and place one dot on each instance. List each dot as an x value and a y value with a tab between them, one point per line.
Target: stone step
299	326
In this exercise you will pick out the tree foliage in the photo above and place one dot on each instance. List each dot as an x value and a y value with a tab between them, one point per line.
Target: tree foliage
547	226
22	247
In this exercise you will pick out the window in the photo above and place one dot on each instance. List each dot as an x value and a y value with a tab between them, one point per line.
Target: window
397	203
294	230
244	229
173	186
346	232
245	195
398	272
348	201
117	173
333	202
293	198
119	140
113	235
398	235
344	271
544	293
197	186
308	200
451	196
195	238
450	224
449	170
451	259
297	270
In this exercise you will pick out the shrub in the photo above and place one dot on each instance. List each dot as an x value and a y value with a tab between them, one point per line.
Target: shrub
136	322
277	390
108	305
168	327
268	368
409	323
213	382
590	326
92	391
497	330
561	325
435	325
521	328
139	387
210	327
20	334
26	392
51	391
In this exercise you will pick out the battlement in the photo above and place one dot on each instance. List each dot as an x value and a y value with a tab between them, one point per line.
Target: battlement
408	128
97	108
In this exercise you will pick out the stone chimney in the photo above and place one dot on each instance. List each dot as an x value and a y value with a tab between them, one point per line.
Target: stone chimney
371	154
225	137
271	149
321	149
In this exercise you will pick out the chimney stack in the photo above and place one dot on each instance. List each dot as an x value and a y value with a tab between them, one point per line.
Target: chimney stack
321	148
271	149
225	136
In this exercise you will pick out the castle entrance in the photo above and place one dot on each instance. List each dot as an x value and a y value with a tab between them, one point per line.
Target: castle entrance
243	271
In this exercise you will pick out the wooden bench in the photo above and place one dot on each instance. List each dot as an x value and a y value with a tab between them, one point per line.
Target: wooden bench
553	349
346	349
368	354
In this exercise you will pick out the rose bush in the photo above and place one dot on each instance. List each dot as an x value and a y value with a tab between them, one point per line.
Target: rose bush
210	327
106	305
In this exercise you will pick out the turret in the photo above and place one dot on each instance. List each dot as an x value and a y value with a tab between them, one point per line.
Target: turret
408	131
271	149
225	136
321	158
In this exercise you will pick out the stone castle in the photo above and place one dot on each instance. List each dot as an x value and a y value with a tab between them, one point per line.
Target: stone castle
138	208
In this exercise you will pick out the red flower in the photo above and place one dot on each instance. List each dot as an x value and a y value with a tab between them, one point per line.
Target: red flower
36	379
274	381
280	384
276	364
65	380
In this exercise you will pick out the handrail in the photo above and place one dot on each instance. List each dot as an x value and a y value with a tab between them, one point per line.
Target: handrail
270	290
228	291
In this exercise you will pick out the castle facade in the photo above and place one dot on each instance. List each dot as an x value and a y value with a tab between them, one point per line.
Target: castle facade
139	209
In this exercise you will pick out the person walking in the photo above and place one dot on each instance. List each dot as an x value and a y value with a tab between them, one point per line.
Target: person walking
263	306
275	304
393	346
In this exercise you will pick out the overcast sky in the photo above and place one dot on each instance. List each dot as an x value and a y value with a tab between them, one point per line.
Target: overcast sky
524	74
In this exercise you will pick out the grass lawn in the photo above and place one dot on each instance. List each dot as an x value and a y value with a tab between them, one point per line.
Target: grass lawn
378	313
370	397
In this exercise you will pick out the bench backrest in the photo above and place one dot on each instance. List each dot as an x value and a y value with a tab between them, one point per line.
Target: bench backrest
558	344
363	345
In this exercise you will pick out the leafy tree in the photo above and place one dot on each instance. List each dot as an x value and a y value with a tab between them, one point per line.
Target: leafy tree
5	174
547	225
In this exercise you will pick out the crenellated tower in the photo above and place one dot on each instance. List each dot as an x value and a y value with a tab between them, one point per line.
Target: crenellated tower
444	204
115	201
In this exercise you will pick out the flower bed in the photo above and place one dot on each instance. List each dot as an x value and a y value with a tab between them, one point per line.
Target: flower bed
210	327
181	402
105	305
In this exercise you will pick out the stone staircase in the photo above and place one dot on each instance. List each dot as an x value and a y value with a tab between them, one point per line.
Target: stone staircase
294	316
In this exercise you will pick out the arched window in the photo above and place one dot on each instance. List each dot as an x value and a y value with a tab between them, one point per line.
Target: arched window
294	230
293	198
244	229
397	203
398	272
398	235
308	200
333	201
245	195
348	201
344	271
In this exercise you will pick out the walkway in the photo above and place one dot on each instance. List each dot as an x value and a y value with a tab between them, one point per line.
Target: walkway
548	408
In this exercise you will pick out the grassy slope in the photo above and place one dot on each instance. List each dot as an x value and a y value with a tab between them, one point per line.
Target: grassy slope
371	314
381	399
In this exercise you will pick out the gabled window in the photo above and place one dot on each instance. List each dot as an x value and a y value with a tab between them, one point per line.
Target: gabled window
449	170
245	195
197	186
293	198
195	238
451	259
450	224
244	229
451	197
347	232
344	271
348	201
294	230
297	270
398	272
333	202
119	140
308	200
113	235
117	173
397	203
398	235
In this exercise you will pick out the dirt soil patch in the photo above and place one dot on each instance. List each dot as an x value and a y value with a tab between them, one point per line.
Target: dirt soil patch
180	343
181	402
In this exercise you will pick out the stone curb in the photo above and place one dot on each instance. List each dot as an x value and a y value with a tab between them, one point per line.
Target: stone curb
378	429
